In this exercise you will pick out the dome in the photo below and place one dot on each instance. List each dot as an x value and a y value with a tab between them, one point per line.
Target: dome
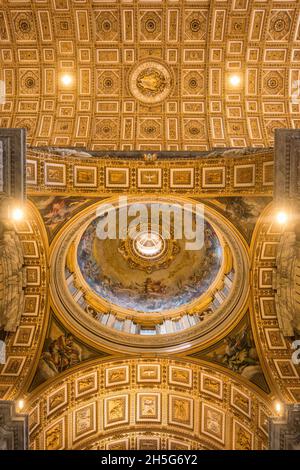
149	271
174	278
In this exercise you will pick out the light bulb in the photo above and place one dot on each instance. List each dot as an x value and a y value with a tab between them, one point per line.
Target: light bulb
67	79
282	217
278	407
235	80
17	214
21	404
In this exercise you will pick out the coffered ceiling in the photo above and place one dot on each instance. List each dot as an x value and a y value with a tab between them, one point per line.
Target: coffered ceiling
150	74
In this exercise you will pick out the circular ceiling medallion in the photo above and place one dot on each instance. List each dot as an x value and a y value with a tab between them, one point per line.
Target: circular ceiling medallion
106	25
195	25
150	25
150	82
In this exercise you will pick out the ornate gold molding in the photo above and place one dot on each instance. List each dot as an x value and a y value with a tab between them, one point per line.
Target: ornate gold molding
23	347
275	348
106	399
215	174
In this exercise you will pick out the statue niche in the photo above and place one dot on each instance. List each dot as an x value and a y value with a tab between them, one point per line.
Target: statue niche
12	279
287	283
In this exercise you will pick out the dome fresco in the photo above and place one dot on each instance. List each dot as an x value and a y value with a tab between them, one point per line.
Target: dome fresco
148	273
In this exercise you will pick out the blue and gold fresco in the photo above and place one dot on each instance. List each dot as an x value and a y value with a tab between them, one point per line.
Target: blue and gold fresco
61	351
186	278
57	210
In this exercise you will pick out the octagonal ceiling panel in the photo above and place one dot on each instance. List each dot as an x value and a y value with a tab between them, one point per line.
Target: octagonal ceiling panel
150	75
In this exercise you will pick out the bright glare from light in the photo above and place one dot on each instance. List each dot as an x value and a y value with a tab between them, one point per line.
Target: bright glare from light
148	244
17	214
234	80
278	407
67	79
282	217
21	404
